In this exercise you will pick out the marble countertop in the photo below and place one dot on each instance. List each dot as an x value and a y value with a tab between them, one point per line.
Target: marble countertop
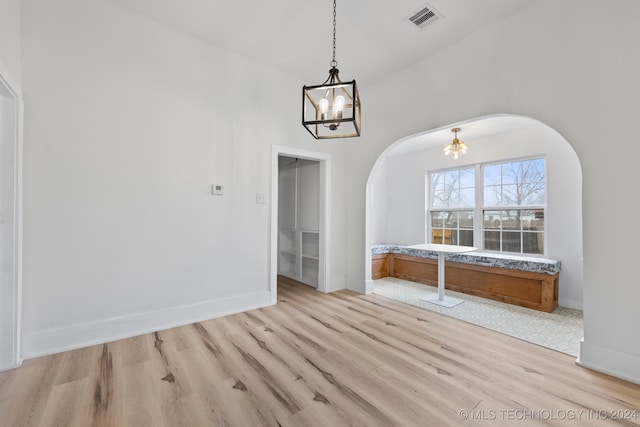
512	262
439	247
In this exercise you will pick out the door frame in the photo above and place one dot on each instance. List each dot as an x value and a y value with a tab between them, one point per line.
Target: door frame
12	320
324	264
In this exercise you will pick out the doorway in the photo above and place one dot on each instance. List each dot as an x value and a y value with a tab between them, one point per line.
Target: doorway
397	211
10	156
299	217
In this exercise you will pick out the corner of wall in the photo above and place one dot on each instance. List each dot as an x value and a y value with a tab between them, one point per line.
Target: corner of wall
610	362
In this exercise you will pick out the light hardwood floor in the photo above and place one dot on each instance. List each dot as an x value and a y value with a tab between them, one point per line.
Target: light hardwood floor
316	360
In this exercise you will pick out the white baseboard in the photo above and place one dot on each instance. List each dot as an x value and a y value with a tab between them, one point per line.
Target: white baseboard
10	367
610	362
569	303
368	286
337	283
42	342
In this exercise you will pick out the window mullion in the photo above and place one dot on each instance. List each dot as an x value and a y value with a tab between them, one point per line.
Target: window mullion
478	228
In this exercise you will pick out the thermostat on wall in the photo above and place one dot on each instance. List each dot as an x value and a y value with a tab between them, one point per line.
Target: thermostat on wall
217	190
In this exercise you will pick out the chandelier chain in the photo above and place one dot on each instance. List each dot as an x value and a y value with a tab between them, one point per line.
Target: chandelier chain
334	63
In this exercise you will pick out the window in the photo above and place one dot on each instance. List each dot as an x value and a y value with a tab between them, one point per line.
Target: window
513	210
453	202
507	214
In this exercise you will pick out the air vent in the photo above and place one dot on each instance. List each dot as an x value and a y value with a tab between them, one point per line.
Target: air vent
424	16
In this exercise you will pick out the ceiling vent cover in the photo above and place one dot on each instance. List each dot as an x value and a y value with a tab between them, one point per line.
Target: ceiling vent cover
424	16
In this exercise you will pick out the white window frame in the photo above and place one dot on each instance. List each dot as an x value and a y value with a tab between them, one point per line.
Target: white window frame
479	208
429	208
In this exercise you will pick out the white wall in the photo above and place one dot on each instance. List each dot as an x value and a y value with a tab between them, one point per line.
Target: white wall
10	91
404	190
128	123
10	65
8	233
549	62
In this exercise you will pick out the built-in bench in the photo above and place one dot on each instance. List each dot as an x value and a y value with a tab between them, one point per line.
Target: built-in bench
525	281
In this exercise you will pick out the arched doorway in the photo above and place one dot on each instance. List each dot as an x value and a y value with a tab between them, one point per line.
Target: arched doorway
396	201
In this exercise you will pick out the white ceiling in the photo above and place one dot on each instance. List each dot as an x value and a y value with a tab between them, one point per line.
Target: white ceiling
469	131
374	37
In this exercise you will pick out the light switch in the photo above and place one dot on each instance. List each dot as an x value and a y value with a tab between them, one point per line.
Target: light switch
261	198
217	190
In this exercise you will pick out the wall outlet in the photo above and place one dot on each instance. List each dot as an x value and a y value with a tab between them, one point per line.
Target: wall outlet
217	190
261	198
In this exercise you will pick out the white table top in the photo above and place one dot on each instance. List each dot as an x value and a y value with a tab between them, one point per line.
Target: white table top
437	247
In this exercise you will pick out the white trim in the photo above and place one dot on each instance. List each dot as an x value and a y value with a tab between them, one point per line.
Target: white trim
49	341
479	206
324	264
369	286
598	358
16	292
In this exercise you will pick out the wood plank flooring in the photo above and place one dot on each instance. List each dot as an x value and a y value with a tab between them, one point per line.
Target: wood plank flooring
316	360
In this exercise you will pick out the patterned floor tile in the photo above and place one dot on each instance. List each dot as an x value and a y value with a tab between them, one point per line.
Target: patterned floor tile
561	330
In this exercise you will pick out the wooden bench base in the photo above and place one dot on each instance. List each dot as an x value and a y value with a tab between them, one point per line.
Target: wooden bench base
538	291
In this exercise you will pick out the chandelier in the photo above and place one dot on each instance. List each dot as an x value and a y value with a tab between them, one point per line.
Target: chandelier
456	147
332	109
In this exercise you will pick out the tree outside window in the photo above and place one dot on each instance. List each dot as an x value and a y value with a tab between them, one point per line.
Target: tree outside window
510	215
513	212
452	201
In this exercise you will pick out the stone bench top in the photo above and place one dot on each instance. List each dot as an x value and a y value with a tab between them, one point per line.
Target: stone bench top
487	259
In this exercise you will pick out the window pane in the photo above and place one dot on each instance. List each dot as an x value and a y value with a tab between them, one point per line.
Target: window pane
451	179
492	196
533	220
445	226
467	178
492	175
533	243
438	199
511	241
437	180
533	170
466	237
492	240
446	188
534	194
510	195
492	219
511	173
465	219
511	220
437	219
450	219
439	235
467	198
453	199
437	189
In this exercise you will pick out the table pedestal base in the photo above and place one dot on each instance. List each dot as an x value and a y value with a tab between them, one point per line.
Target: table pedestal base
445	302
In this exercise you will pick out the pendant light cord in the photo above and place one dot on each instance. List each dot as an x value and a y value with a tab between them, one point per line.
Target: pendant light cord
334	63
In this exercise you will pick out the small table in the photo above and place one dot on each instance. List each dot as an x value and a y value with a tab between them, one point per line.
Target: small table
440	298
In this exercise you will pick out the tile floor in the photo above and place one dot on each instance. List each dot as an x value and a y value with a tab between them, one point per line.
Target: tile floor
561	330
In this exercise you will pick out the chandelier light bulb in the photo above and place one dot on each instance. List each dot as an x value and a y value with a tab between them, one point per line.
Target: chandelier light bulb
324	107
338	107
